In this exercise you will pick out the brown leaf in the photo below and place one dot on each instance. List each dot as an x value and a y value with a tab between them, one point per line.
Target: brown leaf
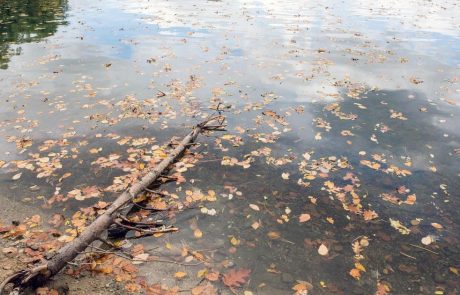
273	235
235	278
204	290
57	220
382	289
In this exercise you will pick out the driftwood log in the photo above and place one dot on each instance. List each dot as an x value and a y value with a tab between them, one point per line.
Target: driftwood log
40	274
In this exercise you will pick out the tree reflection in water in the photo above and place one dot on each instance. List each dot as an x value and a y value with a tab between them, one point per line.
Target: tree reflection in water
27	21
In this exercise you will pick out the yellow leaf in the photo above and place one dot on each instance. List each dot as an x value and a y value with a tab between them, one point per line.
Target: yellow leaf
360	266
198	233
201	273
234	241
401	228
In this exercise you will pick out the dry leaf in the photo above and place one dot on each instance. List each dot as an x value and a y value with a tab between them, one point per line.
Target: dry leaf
212	276
274	235
323	250
400	227
180	275
254	207
235	278
204	290
427	240
436	225
197	233
17	176
304	217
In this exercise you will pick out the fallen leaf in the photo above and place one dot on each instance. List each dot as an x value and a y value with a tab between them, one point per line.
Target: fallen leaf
427	240
302	287
411	199
204	290
255	225
180	275
382	289
197	233
212	276
369	215
254	207
355	273
436	225
235	278
400	227
234	241
323	250
304	217
17	176
274	235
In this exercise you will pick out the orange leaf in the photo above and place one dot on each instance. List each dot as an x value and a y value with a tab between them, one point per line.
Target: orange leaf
212	276
355	273
304	217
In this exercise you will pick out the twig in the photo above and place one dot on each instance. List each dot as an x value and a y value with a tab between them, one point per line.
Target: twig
163	230
417	246
179	263
407	255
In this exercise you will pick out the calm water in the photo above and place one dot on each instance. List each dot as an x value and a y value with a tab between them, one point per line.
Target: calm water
355	81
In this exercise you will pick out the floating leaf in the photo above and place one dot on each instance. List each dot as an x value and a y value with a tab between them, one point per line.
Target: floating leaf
304	217
437	225
180	275
212	276
400	227
323	250
235	278
234	241
254	207
197	233
274	235
17	176
427	240
255	225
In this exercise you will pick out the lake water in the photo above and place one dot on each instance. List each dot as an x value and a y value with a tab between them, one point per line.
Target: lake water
346	111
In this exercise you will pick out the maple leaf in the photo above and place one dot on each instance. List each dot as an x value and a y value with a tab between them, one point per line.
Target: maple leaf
382	289
235	278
